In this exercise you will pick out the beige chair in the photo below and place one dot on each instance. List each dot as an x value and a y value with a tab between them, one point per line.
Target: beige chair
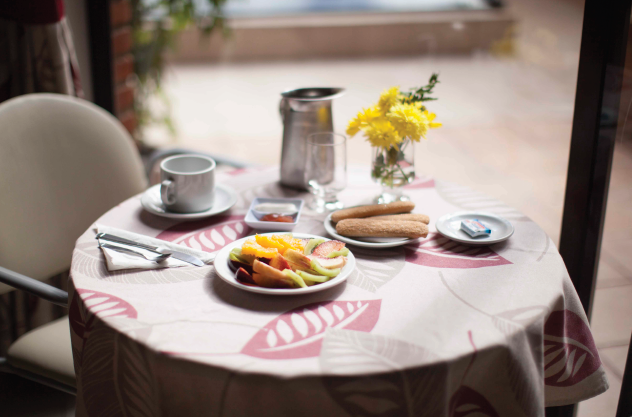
63	163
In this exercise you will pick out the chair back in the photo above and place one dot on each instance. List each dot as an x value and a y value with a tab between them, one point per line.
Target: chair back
63	163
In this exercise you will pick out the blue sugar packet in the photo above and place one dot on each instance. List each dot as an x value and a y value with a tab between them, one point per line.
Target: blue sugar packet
475	228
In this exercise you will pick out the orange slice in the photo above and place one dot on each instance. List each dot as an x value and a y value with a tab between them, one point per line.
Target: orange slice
288	242
268	242
251	247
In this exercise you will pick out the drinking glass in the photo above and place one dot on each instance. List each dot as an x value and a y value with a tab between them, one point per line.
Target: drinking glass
326	169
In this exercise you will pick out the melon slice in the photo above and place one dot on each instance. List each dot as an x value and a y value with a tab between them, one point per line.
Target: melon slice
280	263
297	258
269	282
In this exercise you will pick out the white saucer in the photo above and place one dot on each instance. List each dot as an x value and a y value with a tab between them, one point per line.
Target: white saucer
225	198
366	242
450	227
226	274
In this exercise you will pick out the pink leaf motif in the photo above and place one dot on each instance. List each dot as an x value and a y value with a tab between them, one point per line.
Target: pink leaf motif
421	182
238	171
207	235
299	333
95	303
440	252
570	354
466	402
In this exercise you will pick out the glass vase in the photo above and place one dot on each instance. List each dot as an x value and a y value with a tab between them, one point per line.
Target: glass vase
393	168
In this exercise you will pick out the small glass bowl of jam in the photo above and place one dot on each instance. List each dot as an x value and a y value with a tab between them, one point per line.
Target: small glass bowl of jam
277	217
280	214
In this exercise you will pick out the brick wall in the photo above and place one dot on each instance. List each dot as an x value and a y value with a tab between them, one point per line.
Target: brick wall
124	82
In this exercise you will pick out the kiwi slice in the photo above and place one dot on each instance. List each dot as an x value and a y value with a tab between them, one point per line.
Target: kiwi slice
315	278
324	271
336	253
311	245
295	277
247	259
235	255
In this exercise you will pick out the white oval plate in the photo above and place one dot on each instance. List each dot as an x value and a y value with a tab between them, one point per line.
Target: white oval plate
225	198
226	274
450	227
366	242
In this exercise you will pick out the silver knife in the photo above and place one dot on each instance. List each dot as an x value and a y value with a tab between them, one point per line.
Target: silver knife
178	255
158	257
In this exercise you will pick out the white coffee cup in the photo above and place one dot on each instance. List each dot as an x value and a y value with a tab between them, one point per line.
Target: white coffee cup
188	183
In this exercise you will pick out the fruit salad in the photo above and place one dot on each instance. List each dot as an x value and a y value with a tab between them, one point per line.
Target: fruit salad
282	261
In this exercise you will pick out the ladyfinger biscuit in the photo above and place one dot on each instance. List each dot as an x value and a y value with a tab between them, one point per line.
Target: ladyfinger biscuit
372	210
372	228
412	217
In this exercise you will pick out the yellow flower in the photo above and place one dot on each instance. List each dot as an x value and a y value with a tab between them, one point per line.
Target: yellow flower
382	134
353	127
409	121
362	120
431	117
388	99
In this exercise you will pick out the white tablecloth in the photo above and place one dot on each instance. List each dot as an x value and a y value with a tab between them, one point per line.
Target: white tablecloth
432	328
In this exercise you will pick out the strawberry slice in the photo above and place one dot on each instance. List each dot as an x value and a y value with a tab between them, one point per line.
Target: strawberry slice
326	248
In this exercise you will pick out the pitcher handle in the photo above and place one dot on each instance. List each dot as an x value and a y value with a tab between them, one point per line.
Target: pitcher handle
282	107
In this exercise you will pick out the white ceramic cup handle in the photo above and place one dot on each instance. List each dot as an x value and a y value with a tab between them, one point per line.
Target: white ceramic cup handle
168	192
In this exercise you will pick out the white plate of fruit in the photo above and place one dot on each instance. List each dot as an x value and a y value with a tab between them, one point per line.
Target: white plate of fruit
284	263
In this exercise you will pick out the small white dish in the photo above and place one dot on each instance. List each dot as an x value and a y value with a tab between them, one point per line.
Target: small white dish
450	227
253	216
366	242
225	198
226	274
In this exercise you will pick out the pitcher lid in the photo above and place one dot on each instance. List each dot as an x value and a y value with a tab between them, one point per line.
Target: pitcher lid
313	93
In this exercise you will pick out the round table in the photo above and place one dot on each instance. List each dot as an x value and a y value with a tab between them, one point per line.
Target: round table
431	328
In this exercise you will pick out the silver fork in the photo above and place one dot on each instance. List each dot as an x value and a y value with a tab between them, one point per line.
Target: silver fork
156	258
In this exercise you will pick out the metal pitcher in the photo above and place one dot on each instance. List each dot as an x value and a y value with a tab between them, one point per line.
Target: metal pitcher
304	111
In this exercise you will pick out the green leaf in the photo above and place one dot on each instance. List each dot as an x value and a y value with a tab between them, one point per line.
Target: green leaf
152	38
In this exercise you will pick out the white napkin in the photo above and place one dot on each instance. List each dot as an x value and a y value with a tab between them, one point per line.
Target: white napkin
116	260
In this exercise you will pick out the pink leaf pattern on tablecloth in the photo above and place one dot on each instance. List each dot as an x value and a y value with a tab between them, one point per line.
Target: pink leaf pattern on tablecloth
440	252
570	354
421	182
96	304
299	333
467	402
207	235
238	171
